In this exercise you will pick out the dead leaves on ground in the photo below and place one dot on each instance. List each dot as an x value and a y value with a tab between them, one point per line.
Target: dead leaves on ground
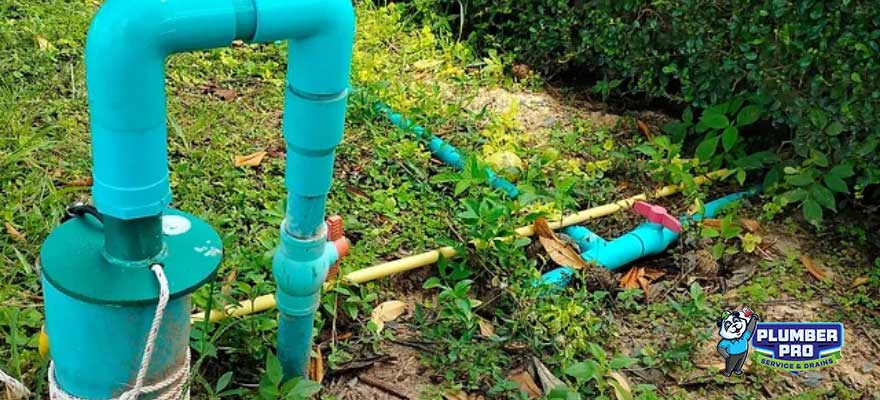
221	93
316	366
525	382
643	128
486	328
14	233
622	389
859	281
640	278
560	252
818	272
250	160
387	311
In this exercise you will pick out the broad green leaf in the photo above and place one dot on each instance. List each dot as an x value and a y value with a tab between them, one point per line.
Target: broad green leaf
842	171
801	179
823	196
432	282
688	115
273	369
812	211
748	115
583	371
676	129
819	158
818	118
706	148
795	195
836	184
622	362
835	128
715	121
223	382
771	179
741	176
729	137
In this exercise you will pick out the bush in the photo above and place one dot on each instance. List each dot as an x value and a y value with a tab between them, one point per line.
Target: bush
810	65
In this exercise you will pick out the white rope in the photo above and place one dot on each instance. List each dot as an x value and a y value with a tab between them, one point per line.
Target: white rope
15	388
173	385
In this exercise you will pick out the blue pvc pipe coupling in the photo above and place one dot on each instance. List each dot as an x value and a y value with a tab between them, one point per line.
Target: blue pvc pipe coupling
300	268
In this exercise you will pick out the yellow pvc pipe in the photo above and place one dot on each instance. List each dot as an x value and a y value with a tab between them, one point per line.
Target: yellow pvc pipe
363	275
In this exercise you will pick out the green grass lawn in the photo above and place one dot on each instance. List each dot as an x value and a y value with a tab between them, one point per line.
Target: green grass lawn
395	200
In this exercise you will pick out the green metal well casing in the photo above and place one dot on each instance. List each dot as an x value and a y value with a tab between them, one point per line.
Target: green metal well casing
99	308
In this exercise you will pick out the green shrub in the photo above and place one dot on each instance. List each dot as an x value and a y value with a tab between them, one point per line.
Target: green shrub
810	65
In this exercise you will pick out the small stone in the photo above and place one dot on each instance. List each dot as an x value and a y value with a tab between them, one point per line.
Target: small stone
868	367
812	379
549	122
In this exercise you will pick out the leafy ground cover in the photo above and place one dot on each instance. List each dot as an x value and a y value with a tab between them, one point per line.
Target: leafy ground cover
473	326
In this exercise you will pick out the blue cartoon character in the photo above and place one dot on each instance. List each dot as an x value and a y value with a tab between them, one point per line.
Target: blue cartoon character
735	329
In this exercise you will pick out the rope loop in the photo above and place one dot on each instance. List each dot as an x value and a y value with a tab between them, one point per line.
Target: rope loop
173	385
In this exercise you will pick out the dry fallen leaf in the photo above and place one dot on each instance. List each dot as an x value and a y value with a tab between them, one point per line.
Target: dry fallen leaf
316	366
751	225
43	43
80	182
250	160
630	280
622	389
547	379
702	261
225	94
859	281
486	328
813	269
712	222
560	252
643	127
640	278
14	233
520	71
387	311
526	383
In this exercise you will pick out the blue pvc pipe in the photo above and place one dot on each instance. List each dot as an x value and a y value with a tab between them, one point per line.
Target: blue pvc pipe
97	348
444	151
645	240
126	48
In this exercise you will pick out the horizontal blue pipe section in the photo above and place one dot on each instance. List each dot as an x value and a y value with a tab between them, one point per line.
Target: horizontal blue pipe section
645	240
444	151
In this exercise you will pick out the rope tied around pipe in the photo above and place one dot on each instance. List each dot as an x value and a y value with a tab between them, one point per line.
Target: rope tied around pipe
173	386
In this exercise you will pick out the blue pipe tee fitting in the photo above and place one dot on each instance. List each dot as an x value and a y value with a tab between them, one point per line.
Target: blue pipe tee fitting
299	268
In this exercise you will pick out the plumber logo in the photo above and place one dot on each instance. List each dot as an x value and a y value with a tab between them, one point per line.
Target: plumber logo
735	329
798	346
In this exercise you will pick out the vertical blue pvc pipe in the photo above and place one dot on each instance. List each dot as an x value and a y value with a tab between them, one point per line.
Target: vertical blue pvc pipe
319	59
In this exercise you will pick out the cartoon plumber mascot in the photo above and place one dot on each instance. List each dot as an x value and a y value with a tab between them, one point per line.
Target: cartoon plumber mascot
735	329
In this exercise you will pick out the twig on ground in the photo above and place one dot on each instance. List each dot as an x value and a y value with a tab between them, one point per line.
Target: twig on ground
384	386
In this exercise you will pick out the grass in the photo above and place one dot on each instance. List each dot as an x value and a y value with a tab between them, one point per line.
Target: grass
395	201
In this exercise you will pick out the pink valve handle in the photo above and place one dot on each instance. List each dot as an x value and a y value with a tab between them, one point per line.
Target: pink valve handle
657	215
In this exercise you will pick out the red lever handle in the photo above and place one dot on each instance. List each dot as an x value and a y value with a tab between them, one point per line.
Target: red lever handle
657	215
